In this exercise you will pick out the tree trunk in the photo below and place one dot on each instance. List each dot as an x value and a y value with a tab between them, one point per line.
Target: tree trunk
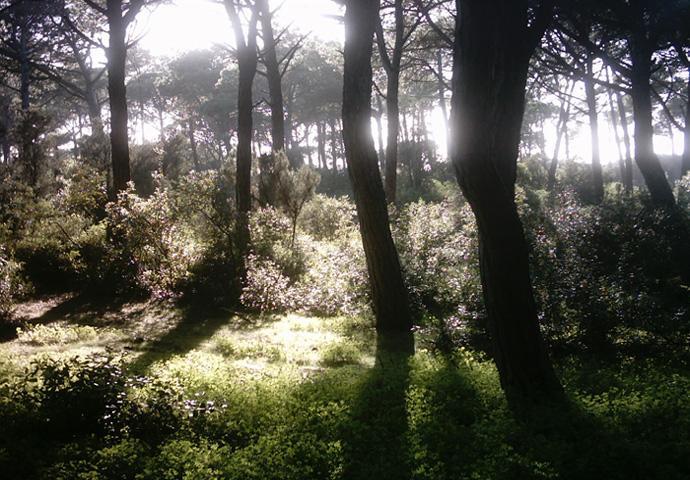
379	128
334	145
489	78
590	94
246	62
561	131
646	159
616	133
442	91
24	64
275	90
191	133
117	95
685	163
321	145
628	177
388	293
393	123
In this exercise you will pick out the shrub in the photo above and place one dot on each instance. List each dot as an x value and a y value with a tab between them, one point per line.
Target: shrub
12	287
55	334
325	218
161	249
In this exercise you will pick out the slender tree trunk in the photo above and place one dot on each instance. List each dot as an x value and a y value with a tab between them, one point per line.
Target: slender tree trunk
442	90
379	128
273	77
191	133
321	144
24	65
628	177
561	131
389	296
489	78
685	163
117	95
393	123
614	125
334	145
590	93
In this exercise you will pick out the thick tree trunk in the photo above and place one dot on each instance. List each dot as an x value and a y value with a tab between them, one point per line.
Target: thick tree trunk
646	159
246	62
388	293
489	78
117	95
275	90
628	177
591	96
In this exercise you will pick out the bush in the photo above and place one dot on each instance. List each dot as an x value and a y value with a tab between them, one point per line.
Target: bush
438	251
12	287
325	218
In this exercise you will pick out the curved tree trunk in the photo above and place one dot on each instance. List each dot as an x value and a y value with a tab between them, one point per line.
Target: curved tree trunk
646	159
489	79
389	296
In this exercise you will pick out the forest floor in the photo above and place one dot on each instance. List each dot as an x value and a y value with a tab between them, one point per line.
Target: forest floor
148	332
297	397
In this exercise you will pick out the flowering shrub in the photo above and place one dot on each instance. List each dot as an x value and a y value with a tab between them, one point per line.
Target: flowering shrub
160	247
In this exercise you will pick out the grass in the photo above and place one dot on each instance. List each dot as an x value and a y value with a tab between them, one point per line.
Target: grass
218	395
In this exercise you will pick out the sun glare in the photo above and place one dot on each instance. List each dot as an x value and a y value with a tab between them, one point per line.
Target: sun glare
185	25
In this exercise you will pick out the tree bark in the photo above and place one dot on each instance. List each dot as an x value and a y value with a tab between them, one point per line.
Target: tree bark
191	133
275	90
561	131
646	159
628	177
247	62
685	163
591	96
379	128
117	95
491	57
388	293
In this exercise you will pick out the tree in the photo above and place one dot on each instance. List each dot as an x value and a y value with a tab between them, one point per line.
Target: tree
392	64
388	293
491	59
247	60
119	14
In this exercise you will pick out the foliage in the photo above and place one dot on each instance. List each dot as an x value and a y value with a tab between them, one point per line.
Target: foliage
12	287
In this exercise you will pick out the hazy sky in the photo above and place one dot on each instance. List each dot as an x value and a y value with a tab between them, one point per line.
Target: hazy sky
186	25
195	24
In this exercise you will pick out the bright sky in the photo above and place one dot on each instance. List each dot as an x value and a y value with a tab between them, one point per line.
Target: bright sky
196	24
185	25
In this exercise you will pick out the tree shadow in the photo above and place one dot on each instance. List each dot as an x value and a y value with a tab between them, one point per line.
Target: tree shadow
80	309
196	324
375	442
